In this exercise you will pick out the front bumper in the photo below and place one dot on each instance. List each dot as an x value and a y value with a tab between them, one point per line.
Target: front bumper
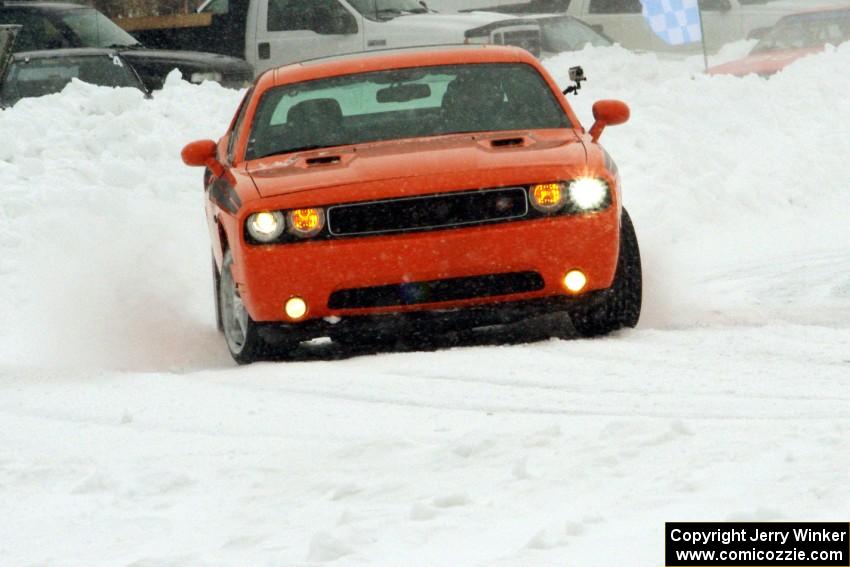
429	322
269	275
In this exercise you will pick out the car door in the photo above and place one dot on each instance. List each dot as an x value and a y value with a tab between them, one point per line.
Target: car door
295	30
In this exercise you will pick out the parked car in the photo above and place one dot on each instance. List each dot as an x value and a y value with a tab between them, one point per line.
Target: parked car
269	33
39	73
7	38
411	191
622	20
562	33
792	38
55	25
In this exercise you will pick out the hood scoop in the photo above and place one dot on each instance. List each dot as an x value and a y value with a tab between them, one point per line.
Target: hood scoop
507	143
322	160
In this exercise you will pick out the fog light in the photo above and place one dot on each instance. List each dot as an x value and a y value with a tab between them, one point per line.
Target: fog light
575	281
296	308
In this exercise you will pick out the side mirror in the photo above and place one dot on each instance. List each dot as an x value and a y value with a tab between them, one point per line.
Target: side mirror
348	24
202	153
758	33
608	113
198	153
334	22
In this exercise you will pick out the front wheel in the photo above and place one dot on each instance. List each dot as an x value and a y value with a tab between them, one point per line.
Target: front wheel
217	296
621	307
241	333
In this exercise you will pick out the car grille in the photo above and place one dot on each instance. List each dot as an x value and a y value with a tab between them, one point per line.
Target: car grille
436	291
429	212
530	40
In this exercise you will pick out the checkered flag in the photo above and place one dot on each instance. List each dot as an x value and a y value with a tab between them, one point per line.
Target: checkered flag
674	21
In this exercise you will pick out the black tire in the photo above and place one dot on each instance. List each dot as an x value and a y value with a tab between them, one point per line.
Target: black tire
353	339
241	333
621	307
216	297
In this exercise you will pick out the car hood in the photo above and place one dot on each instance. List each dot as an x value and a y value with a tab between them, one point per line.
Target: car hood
792	6
763	63
442	23
188	59
422	166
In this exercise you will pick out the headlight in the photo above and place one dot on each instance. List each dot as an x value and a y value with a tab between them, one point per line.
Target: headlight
200	77
548	197
305	223
266	226
589	193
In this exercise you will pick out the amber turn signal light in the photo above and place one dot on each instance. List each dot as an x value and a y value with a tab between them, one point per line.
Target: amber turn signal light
305	223
547	197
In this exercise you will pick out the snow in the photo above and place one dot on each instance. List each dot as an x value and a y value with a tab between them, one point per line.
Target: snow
128	437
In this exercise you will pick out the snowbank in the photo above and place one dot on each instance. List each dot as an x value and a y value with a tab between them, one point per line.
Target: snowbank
105	251
127	437
103	234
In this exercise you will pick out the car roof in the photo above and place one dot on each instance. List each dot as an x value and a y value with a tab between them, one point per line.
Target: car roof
68	52
819	9
542	16
35	4
380	60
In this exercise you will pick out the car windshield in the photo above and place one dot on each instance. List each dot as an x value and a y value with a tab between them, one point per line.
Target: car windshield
404	103
96	30
568	34
807	30
385	9
47	75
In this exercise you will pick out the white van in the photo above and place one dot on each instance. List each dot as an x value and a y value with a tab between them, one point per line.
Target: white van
622	20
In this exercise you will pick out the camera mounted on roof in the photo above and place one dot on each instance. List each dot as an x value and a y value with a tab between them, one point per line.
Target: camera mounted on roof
576	76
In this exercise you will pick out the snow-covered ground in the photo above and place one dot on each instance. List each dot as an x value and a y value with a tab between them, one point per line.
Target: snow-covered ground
128	437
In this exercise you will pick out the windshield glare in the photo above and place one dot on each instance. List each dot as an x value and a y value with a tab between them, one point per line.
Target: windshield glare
382	9
96	30
405	103
801	32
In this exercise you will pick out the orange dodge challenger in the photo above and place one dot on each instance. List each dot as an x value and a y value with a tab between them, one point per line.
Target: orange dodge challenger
410	191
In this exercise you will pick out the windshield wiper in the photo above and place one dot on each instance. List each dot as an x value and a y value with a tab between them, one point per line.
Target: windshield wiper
292	150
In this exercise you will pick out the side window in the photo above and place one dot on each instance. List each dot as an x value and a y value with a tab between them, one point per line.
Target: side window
615	7
310	15
37	32
538	6
234	134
